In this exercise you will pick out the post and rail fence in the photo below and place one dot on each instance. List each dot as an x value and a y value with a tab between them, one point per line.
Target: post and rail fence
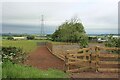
98	59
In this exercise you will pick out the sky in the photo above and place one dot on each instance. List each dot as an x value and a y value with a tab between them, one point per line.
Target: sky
97	16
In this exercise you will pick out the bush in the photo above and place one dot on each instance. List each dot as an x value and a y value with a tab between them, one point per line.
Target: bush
15	55
92	39
10	38
30	37
113	42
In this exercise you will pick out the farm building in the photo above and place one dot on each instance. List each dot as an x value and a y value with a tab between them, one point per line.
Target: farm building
116	37
19	38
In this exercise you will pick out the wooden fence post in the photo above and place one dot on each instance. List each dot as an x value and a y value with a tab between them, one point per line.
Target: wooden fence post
90	59
66	61
97	57
84	52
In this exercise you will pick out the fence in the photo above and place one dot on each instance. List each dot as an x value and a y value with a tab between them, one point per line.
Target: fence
51	49
59	50
49	46
41	43
98	59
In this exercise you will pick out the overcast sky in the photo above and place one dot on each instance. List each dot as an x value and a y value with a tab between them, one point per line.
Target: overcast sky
97	16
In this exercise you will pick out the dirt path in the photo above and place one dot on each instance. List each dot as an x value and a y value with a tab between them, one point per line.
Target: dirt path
43	59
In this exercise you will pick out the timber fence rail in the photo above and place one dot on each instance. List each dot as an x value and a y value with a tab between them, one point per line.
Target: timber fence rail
97	59
50	48
108	59
59	49
92	59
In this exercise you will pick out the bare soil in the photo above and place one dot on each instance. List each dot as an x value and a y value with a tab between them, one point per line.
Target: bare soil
41	58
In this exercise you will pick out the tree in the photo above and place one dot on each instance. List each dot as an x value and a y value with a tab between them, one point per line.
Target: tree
30	37
10	38
71	31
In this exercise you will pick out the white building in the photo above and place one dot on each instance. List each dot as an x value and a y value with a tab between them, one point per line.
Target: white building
116	36
19	38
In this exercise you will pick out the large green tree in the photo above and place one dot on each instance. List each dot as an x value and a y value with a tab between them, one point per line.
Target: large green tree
71	31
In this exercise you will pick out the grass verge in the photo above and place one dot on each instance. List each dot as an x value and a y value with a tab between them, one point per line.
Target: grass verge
19	71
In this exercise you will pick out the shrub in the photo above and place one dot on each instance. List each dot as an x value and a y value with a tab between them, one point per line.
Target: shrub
113	42
10	38
30	37
16	55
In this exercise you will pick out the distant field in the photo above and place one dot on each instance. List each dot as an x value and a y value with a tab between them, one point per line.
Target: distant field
26	45
0	40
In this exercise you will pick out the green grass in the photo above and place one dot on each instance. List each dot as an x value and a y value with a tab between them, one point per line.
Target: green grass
0	70
26	45
57	43
19	71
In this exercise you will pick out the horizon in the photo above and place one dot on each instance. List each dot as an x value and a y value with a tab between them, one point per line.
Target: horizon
51	34
48	29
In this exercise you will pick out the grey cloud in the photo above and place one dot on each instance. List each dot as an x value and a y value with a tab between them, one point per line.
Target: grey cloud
92	13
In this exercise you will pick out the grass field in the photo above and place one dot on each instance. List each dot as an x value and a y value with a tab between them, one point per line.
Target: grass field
19	71
26	45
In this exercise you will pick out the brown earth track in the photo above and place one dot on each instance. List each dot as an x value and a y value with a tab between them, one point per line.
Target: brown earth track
41	58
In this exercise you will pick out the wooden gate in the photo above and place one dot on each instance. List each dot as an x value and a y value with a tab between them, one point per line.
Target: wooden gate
97	59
